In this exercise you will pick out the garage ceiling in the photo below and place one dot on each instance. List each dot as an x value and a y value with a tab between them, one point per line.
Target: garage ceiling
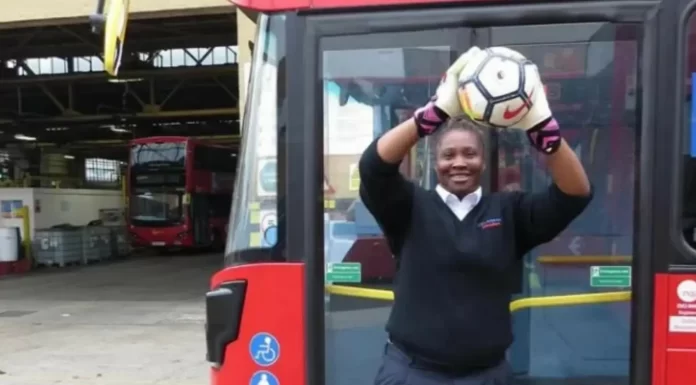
178	77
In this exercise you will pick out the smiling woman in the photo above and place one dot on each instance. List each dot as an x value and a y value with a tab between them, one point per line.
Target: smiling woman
458	249
459	157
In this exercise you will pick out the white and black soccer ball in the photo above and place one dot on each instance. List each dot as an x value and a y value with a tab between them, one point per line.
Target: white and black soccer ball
497	86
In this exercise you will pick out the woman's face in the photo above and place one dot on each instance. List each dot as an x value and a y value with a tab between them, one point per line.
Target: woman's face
460	162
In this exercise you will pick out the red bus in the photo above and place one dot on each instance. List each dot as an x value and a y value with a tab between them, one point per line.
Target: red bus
179	192
611	301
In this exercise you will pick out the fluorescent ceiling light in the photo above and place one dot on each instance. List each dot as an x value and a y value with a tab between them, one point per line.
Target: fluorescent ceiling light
118	130
125	80
24	137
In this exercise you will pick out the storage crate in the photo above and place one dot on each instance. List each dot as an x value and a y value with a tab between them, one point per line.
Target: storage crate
57	246
120	242
96	243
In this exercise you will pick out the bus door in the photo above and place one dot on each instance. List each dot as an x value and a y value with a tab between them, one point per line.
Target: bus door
583	311
200	215
674	218
585	276
588	74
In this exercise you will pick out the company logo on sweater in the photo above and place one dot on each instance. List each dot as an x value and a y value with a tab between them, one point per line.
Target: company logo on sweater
491	223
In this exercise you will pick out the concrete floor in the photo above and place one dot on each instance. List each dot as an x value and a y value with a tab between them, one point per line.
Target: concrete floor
141	322
134	322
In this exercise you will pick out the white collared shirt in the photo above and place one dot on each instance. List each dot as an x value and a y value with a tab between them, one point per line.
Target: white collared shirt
460	207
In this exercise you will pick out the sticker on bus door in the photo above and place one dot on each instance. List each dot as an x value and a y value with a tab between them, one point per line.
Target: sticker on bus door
683	317
269	227
264	377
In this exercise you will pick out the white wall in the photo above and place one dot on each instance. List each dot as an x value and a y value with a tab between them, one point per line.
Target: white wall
49	207
74	206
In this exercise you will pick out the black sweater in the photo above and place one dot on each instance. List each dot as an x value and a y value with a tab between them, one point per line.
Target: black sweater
455	278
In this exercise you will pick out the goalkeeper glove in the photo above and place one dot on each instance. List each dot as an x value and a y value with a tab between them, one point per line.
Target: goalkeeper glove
445	103
542	129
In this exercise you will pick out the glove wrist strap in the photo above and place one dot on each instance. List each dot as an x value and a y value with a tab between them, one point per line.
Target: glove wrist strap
429	118
545	136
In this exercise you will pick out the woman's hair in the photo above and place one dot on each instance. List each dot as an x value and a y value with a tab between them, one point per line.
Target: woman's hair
458	124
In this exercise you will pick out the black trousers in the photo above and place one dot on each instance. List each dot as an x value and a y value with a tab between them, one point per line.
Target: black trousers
399	369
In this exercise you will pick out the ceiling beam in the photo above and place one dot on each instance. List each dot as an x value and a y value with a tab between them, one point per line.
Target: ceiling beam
233	140
179	72
75	48
160	16
180	114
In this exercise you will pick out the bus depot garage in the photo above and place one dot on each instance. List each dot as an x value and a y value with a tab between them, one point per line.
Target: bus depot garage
72	271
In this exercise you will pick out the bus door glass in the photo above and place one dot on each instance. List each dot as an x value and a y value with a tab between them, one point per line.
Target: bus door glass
370	83
688	150
372	80
590	73
255	196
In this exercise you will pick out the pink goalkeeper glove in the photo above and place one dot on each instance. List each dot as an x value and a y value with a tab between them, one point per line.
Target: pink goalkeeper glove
445	103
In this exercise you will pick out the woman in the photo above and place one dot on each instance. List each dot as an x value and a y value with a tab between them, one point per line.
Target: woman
458	250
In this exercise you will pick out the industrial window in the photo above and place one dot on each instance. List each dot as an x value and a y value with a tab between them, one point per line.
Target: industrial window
5	166
169	58
102	170
192	57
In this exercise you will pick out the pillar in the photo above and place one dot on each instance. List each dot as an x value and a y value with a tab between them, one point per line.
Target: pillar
246	35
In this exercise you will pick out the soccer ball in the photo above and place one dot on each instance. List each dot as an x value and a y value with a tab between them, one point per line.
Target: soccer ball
496	87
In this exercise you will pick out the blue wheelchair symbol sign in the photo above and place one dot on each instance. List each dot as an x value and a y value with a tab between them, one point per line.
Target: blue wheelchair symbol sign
264	349
264	378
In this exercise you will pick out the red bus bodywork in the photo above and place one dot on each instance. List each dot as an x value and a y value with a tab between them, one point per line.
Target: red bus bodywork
654	354
195	184
347	5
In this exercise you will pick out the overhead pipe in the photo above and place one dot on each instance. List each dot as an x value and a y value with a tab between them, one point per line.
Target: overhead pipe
97	19
114	141
211	112
122	142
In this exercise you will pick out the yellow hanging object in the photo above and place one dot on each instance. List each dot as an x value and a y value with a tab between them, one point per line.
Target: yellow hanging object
115	23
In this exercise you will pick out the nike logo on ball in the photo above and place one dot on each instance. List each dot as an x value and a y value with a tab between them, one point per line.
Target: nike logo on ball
507	114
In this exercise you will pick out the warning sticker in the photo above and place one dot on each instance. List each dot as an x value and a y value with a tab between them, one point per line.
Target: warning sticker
682	324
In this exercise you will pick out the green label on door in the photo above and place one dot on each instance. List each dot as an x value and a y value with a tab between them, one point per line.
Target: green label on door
610	276
347	272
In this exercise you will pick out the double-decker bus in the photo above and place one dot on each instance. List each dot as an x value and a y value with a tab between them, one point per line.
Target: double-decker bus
611	301
179	192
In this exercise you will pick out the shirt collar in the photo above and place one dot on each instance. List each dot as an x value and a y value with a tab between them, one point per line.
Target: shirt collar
448	197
